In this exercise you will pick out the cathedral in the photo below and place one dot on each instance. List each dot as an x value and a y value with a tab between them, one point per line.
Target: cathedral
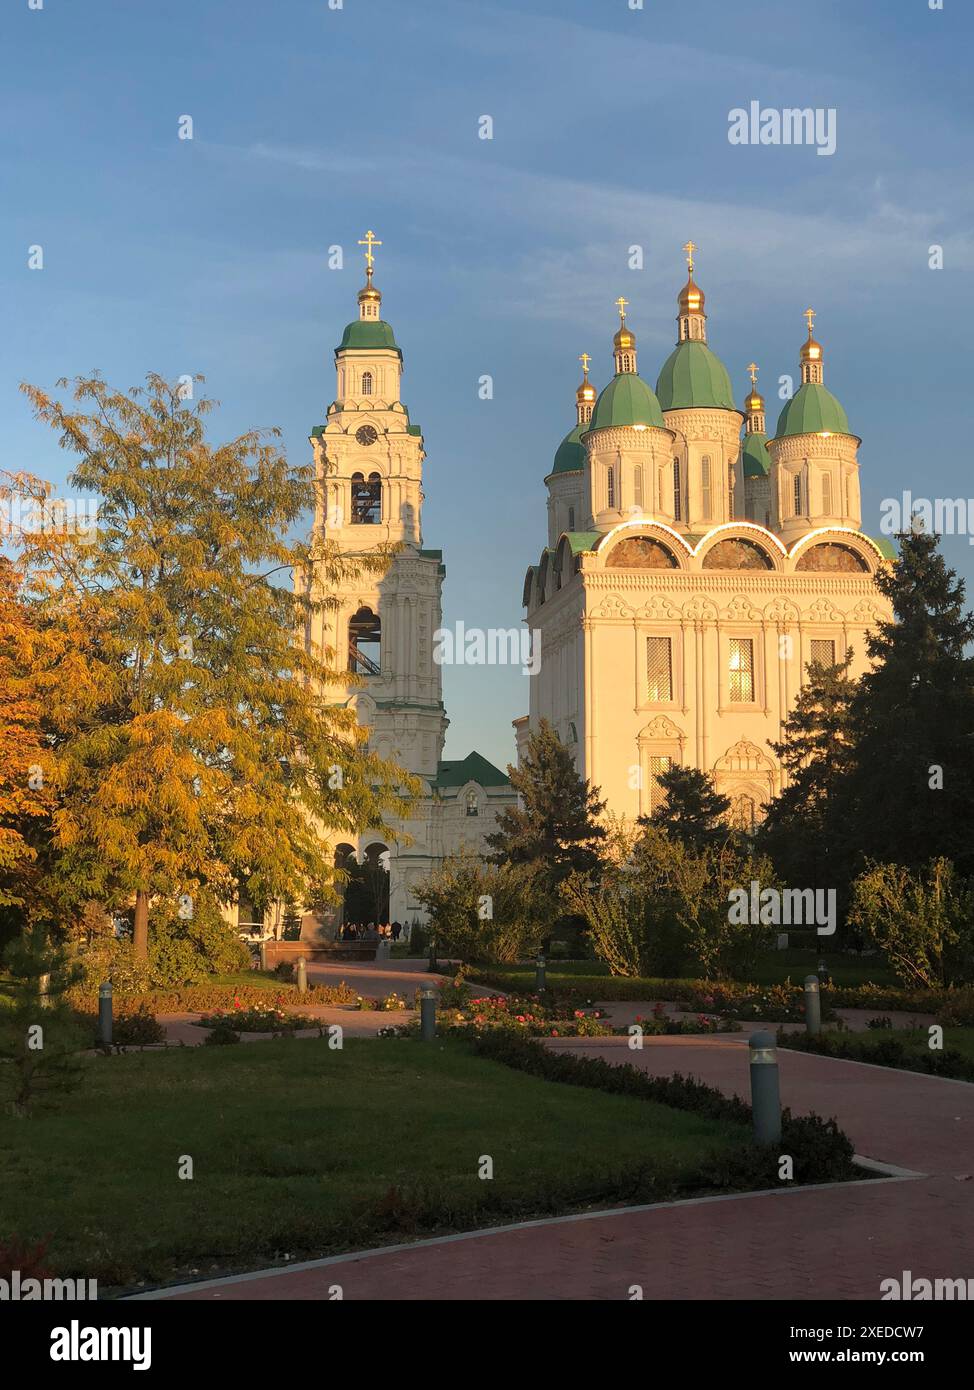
380	628
692	571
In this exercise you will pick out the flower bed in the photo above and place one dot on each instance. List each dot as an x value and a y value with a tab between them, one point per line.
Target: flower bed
659	1023
258	1018
392	1003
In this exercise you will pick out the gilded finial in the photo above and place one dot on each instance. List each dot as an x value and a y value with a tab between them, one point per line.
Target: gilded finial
585	359
752	368
810	316
689	249
621	306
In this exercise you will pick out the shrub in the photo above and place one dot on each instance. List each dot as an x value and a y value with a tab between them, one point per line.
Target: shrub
259	1018
891	1050
221	1036
186	950
922	920
483	912
137	1029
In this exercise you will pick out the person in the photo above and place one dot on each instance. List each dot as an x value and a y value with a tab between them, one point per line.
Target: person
396	930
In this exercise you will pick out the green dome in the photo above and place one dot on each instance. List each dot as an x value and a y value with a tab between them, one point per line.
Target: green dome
693	376
364	334
627	400
755	457
570	454
812	410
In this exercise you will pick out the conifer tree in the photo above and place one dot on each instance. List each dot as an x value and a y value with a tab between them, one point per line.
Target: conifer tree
911	785
693	811
554	827
805	829
193	739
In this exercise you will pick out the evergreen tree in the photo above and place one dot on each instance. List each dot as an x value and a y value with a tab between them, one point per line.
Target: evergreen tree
193	741
693	811
554	827
805	830
911	785
39	1035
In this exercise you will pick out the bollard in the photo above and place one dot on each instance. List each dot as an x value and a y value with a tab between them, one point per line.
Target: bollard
813	1006
539	974
105	1014
302	975
427	1013
263	955
765	1094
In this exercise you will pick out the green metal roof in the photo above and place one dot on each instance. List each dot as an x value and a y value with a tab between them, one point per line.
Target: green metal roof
885	545
755	456
472	768
570	454
364	335
627	400
812	410
582	540
693	376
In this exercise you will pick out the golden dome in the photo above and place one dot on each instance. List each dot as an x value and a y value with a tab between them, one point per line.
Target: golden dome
753	401
624	339
691	298
368	293
811	350
586	392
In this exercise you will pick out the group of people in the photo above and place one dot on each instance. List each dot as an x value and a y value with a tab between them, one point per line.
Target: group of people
391	931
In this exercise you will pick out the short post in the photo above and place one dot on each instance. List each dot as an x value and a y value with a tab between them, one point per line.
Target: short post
302	975
539	974
263	955
105	1014
765	1093
427	1013
813	1006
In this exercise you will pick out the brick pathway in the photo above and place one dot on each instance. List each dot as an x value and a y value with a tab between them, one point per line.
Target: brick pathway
837	1242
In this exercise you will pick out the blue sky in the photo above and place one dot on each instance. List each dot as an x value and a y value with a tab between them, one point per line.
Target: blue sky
501	256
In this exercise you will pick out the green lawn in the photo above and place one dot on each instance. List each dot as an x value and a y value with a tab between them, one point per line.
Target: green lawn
915	1040
588	976
301	1150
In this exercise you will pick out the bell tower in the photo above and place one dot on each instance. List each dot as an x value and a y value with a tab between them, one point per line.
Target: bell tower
378	630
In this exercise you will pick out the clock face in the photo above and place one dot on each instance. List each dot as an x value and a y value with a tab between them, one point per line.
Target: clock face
366	434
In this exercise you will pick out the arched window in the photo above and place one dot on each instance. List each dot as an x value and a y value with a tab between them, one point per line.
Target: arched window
366	499
366	383
798	494
637	487
571	518
473	804
730	491
612	487
826	495
743	814
677	506
365	643
705	485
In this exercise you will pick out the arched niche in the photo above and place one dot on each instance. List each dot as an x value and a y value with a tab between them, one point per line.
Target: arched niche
831	557
737	553
641	553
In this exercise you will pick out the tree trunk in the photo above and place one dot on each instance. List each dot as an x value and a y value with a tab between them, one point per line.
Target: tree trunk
140	931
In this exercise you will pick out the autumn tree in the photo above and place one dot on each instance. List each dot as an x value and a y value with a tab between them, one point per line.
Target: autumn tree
194	741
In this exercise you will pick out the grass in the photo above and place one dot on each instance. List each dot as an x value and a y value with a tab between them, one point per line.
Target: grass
303	1150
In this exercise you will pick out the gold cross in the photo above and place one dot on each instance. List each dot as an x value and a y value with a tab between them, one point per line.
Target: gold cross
585	360
689	249
810	315
753	369
370	239
621	303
